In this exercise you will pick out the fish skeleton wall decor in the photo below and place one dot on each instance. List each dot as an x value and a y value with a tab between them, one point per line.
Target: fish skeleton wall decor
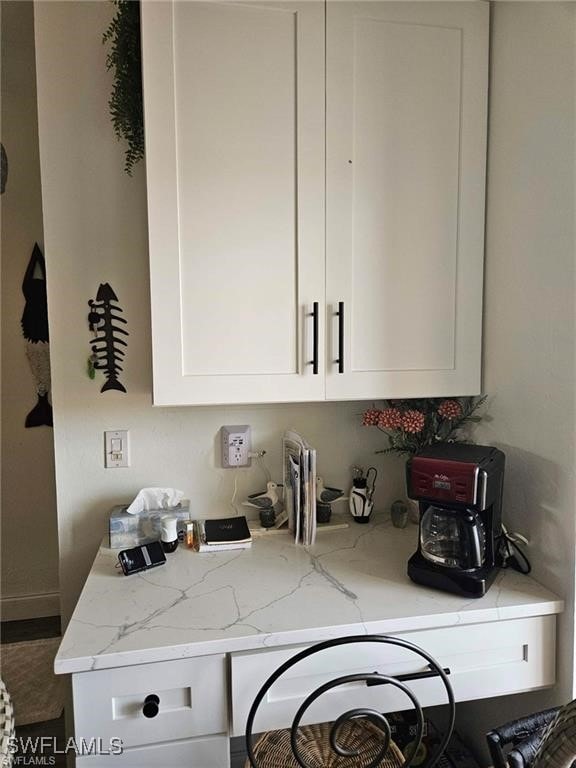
35	330
103	320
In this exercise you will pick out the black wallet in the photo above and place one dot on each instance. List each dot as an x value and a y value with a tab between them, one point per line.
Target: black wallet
141	558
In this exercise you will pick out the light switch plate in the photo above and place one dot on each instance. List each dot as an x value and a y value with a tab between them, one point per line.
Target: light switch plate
116	449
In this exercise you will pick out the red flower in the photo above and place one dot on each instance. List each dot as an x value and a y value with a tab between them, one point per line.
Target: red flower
413	421
370	417
391	418
450	409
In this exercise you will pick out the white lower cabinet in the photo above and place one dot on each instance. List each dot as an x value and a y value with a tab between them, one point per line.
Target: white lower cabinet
204	701
484	660
191	720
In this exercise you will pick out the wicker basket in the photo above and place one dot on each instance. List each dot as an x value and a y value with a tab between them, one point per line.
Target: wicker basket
6	727
273	750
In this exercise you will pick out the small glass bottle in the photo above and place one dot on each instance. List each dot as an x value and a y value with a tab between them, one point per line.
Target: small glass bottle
189	535
169	535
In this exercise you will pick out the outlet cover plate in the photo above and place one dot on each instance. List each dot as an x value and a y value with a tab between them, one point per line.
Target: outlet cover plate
116	449
236	443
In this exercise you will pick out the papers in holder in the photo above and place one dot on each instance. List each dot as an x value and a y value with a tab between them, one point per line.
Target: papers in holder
299	467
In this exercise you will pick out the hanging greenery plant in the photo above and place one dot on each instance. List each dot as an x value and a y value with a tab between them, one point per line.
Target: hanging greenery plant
124	58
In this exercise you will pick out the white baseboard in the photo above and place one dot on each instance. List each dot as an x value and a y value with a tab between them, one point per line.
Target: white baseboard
30	606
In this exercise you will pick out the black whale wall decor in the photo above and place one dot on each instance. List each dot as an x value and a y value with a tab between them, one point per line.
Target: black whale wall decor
35	330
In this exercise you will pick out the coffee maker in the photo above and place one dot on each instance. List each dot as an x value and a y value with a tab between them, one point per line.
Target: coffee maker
459	490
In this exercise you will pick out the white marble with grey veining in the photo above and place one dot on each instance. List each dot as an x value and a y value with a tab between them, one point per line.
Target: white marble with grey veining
352	581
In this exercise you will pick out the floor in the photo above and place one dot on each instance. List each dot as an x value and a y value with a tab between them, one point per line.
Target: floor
34	629
53	731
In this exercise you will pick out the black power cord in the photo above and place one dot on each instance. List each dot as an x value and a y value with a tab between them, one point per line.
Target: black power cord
512	555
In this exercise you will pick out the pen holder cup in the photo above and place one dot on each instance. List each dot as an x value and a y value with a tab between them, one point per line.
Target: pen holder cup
267	517
360	506
323	512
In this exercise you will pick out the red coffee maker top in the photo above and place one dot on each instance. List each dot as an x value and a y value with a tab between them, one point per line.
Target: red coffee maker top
444	480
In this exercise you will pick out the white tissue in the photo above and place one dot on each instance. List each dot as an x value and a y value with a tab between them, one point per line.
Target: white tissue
155	498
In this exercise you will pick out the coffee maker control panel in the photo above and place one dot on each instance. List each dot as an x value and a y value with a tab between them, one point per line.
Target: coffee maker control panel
443	480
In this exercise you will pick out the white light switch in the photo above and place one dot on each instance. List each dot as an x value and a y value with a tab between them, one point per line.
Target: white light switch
116	449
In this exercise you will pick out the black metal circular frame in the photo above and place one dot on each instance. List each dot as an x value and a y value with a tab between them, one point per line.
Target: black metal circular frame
379	719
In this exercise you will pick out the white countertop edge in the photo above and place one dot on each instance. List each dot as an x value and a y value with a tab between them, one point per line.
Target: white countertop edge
294	637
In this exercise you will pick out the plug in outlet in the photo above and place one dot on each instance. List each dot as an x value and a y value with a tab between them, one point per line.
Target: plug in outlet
236	445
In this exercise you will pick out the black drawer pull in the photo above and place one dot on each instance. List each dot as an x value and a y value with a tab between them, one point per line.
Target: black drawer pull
314	315
410	676
340	359
151	705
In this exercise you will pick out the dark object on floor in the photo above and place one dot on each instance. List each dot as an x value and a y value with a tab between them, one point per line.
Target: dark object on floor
362	734
30	629
456	754
36	629
106	353
54	734
3	169
28	671
516	743
35	331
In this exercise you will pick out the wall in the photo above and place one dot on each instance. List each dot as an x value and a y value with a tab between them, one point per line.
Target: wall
95	231
29	527
529	335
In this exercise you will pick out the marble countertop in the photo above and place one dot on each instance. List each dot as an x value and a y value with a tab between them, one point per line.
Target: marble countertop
352	581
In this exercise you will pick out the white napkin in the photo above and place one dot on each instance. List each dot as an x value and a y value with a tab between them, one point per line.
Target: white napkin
155	498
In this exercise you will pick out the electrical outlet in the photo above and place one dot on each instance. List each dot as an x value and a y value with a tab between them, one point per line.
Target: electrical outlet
116	450
236	445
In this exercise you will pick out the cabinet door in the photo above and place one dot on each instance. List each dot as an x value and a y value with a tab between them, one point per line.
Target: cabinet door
406	148
234	119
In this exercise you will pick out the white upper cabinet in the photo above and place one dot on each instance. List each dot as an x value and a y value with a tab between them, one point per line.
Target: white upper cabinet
305	157
406	149
234	118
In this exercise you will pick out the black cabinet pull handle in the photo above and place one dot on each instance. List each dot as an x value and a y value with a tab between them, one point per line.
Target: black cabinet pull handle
314	315
410	676
340	359
151	705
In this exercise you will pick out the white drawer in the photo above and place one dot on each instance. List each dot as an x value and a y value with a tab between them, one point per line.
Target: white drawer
108	703
484	660
195	753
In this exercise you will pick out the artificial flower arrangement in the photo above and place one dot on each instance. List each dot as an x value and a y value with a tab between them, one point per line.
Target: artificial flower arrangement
413	424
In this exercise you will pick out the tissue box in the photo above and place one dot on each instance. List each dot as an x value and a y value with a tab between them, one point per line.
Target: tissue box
127	531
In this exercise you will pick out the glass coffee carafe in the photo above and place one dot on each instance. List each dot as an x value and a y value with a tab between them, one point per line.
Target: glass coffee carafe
454	538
